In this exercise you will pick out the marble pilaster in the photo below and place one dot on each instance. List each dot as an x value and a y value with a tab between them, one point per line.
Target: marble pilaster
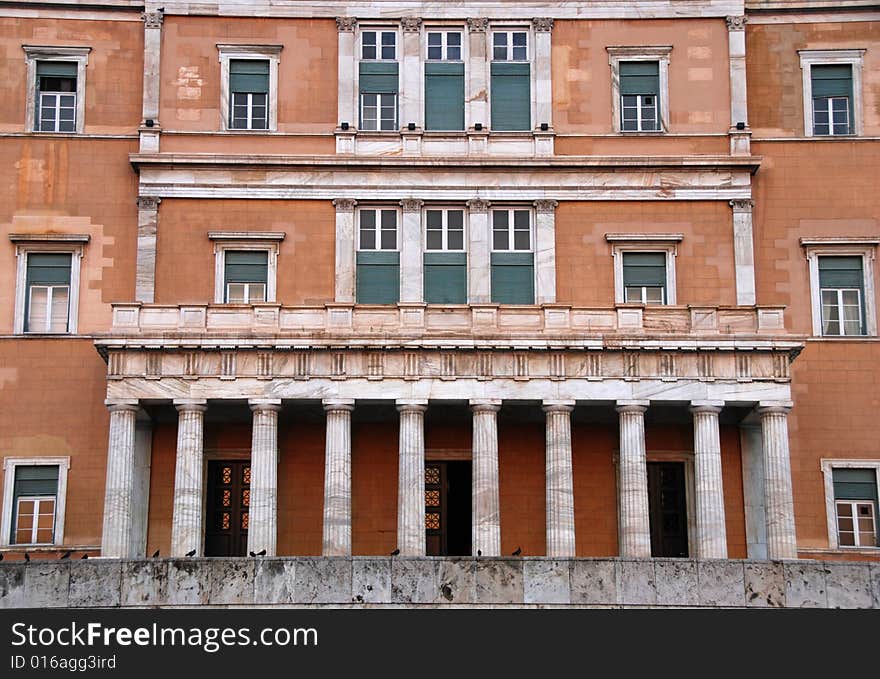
347	33
559	479
708	486
486	511
410	99
346	233
740	142
337	478
150	132
116	538
187	520
634	525
411	269
743	251
477	92
263	519
778	499
411	479
545	251
479	252
148	225
543	72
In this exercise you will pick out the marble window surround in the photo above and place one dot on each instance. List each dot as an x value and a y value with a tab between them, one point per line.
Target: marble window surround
865	248
9	466
71	244
270	53
665	243
34	54
261	241
658	53
810	58
828	465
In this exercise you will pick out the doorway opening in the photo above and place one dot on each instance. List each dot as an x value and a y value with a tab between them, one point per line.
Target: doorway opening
228	507
667	506
448	508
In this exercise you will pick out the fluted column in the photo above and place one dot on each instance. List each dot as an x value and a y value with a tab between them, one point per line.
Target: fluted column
708	486
634	524
411	479
559	479
187	521
486	528
337	479
263	519
116	539
778	500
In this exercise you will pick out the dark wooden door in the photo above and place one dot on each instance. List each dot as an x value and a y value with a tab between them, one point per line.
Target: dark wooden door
436	519
668	509
448	508
228	506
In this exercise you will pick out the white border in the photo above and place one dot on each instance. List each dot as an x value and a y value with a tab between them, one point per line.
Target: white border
272	53
9	467
810	58
33	54
827	465
257	242
75	250
512	26
660	243
658	53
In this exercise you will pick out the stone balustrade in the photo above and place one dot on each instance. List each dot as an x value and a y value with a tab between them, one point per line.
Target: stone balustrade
439	581
473	320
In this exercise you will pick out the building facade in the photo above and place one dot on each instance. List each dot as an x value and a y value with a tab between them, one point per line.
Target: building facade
571	279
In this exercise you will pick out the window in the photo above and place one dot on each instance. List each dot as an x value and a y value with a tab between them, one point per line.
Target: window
513	261
249	87
379	111
379	45
444	81
378	260
245	266
644	267
832	82
639	88
378	81
510	88
851	490
644	277
56	88
34	492
445	260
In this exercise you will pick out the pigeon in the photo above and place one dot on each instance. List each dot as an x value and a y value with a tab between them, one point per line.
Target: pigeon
517	551
395	552
252	553
66	554
191	552
84	556
27	557
479	552
1	557
262	552
156	554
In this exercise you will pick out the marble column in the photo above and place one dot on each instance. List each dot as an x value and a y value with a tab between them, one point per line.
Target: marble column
778	499
337	478
486	527
263	519
545	251
708	486
187	520
559	479
116	538
346	234
411	110
477	92
411	269
743	251
149	133
634	525
479	252
411	478
148	227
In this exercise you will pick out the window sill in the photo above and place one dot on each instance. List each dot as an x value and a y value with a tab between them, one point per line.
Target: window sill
844	338
246	132
639	133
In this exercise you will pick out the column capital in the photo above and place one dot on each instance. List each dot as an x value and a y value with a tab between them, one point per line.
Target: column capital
774	407
332	405
631	406
115	405
545	206
478	205
405	405
264	404
153	19
736	23
190	405
742	205
706	406
542	24
412	204
346	24
411	24
551	406
344	204
485	405
478	24
148	202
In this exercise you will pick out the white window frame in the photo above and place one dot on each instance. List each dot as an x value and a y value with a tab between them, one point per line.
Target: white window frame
37	500
498	29
36	53
250	112
666	243
63	244
10	464
256	241
660	54
842	247
445	227
378	208
379	95
50	294
810	58
510	27
827	466
378	30
270	53
831	123
639	120
510	230
444	45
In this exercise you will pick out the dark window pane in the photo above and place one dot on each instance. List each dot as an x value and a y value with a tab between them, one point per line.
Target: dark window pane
455	219
434	219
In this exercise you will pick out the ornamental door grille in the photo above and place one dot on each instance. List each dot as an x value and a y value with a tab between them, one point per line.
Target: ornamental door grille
229	499
667	504
448	508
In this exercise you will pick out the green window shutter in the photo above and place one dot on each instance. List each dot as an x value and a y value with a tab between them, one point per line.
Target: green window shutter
511	96
444	96
832	80
378	77
56	69
854	484
48	269
513	277
35	480
644	268
246	266
445	277
249	75
378	277
841	272
640	77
